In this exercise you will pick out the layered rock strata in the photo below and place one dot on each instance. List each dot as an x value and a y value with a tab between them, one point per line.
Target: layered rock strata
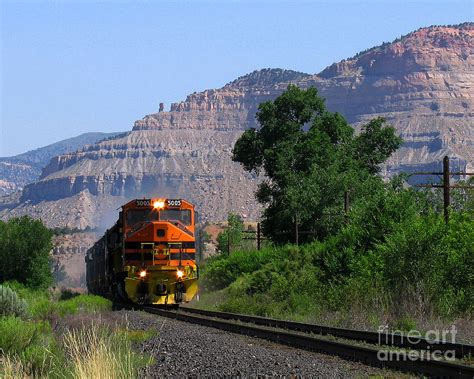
422	83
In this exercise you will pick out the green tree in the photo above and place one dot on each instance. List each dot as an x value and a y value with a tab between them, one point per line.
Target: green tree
25	246
232	235
462	199
310	157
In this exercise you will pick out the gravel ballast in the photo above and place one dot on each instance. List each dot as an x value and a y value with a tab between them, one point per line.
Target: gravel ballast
182	349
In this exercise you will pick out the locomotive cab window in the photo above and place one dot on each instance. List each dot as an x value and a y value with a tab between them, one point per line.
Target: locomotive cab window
182	215
135	216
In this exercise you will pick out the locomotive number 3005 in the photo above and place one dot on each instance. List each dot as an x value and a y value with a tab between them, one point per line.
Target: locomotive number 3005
169	202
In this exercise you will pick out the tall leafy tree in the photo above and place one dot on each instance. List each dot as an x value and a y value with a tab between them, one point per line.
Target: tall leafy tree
311	158
25	246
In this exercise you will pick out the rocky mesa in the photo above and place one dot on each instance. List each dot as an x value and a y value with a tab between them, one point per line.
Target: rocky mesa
422	83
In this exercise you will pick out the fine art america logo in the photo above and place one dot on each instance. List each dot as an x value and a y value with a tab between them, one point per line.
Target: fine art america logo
423	345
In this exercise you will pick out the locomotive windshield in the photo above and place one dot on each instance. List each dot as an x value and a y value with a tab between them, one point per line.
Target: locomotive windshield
183	215
135	216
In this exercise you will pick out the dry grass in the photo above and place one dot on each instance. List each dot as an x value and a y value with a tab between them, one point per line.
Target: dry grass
12	368
99	353
88	349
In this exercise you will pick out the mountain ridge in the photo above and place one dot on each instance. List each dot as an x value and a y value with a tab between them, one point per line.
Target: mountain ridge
421	83
19	170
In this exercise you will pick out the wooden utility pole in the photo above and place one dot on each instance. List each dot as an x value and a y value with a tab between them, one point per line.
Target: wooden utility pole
256	235
446	185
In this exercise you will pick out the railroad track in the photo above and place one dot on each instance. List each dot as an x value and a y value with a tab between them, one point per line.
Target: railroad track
387	339
297	335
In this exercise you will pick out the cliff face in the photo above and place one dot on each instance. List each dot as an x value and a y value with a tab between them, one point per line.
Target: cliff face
232	107
68	256
22	169
423	84
79	189
15	174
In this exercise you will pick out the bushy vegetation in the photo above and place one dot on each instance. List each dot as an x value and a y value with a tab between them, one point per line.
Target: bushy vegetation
32	343
232	235
25	246
10	303
65	338
413	268
43	304
387	258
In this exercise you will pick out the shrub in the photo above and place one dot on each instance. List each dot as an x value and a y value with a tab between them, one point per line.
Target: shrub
455	265
37	300
42	303
435	258
10	303
16	335
220	271
30	344
87	303
45	308
25	246
434	106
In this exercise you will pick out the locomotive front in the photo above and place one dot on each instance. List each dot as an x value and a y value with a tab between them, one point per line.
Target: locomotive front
159	251
148	256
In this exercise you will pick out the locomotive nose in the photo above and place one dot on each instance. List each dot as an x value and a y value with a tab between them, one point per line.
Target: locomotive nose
168	230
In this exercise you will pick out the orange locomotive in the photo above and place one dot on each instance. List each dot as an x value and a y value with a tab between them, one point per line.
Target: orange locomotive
148	256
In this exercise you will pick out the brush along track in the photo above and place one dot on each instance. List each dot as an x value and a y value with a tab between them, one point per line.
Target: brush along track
366	355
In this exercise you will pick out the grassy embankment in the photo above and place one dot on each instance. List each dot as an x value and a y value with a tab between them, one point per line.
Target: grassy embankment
63	335
418	276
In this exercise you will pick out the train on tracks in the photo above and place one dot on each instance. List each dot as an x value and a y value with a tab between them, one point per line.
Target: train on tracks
148	256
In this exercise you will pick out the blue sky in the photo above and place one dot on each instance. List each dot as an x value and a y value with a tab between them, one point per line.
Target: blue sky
69	67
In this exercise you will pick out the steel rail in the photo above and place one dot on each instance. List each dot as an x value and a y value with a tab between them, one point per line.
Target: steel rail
366	355
383	338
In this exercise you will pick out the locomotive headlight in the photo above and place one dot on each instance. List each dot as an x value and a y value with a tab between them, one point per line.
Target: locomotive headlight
159	204
179	273
142	273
